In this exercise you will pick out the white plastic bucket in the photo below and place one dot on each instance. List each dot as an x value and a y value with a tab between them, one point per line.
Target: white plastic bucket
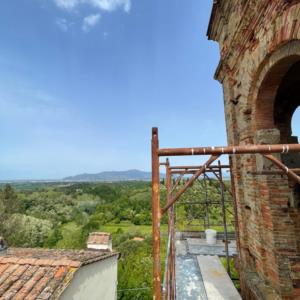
211	236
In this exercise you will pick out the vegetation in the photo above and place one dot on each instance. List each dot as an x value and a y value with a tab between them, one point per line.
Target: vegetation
62	215
233	271
198	217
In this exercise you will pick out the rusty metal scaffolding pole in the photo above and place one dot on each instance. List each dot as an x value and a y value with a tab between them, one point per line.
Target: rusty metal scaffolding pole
224	217
156	216
178	168
166	280
224	186
191	172
190	182
171	229
280	165
249	149
215	153
206	218
236	218
181	170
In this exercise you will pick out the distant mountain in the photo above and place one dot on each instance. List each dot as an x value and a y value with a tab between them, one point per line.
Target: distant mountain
113	176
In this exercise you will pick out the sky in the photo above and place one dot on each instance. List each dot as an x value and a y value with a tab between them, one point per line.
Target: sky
83	81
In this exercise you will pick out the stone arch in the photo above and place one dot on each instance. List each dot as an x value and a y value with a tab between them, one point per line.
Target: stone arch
271	73
286	102
273	98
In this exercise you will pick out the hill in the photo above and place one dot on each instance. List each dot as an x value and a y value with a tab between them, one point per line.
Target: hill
112	176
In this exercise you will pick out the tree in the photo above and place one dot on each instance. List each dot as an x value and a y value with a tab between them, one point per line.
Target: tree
136	257
27	231
9	205
9	200
53	238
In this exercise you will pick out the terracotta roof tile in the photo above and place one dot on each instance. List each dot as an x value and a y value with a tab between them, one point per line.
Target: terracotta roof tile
30	284
26	261
66	262
41	273
12	278
7	272
3	267
45	262
41	285
13	290
10	259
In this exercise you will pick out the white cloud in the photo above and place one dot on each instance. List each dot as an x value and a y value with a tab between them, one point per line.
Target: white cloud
90	21
110	5
67	4
63	24
103	5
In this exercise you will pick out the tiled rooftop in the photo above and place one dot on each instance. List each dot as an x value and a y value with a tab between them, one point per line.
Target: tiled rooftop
41	274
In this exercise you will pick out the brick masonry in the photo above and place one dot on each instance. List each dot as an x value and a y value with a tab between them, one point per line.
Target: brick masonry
260	73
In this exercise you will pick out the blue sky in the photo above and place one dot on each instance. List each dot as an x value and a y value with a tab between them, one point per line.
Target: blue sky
83	81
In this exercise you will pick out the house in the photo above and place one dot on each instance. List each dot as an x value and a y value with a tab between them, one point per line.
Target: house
99	241
27	273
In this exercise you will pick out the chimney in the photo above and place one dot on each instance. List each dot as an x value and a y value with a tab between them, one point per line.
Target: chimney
99	241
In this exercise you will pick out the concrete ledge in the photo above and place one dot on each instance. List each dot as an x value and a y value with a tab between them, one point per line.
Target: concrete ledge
218	284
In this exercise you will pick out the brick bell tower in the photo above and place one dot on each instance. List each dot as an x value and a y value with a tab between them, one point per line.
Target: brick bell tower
260	73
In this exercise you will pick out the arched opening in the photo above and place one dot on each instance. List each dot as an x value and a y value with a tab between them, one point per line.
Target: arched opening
295	135
275	120
277	102
286	102
296	123
277	96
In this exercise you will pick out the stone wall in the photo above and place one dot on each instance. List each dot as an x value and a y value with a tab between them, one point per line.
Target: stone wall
259	43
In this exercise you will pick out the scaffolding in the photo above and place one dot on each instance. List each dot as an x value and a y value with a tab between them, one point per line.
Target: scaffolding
169	283
167	290
211	175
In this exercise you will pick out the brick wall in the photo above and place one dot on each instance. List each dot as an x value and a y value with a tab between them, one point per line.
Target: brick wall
260	44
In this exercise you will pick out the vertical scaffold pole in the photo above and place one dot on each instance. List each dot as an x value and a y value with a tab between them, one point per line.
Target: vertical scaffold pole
236	220
168	186
156	217
171	230
224	218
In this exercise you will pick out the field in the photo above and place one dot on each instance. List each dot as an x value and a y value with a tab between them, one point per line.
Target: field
127	227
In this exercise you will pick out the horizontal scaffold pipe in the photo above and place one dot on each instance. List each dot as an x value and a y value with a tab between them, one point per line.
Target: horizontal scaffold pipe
190	182
188	172
249	149
198	167
202	203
